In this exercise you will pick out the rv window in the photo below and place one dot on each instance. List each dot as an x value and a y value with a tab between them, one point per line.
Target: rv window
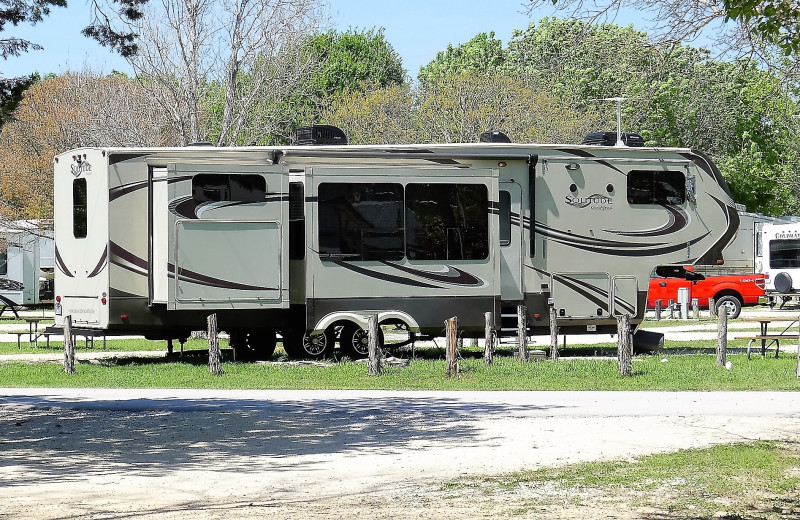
447	222
79	208
297	221
784	254
3	262
505	218
656	187
218	187
360	221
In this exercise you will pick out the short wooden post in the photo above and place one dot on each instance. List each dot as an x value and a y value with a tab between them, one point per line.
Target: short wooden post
522	332
69	347
695	309
374	366
214	354
712	307
624	346
451	353
488	333
658	310
797	370
553	334
671	309
722	337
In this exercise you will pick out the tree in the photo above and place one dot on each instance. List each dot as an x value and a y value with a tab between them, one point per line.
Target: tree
64	112
239	51
374	115
674	21
482	54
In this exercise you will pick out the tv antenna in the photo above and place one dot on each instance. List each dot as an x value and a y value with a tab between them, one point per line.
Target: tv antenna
618	101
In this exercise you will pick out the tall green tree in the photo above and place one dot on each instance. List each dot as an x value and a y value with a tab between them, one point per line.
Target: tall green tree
483	54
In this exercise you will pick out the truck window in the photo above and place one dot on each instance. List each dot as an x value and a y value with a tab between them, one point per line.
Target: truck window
219	187
784	254
360	221
505	218
447	222
656	187
79	208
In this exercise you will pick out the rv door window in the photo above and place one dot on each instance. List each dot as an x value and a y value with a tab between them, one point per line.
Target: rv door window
360	221
220	187
447	222
656	187
3	262
505	218
297	221
784	254
79	209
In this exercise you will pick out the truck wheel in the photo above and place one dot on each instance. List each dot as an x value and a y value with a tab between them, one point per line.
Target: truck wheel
301	346
354	341
731	304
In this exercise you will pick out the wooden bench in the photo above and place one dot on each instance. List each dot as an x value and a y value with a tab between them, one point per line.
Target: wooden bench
772	338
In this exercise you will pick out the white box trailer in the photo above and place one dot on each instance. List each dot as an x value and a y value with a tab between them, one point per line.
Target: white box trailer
308	241
24	262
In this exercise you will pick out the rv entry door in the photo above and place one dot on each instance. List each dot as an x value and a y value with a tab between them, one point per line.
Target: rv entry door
227	242
511	247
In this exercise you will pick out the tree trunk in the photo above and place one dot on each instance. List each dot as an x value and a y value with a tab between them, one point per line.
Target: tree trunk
522	332
451	354
553	334
374	367
69	347
214	355
488	347
722	337
624	346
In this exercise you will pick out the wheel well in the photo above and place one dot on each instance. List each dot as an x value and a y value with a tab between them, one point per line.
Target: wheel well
729	292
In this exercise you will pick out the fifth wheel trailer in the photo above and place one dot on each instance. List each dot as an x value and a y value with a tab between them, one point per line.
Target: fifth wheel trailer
309	241
26	262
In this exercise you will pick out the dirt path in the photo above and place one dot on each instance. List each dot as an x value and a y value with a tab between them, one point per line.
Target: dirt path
240	454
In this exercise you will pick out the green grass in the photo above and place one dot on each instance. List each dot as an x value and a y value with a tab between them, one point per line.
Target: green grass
112	345
747	480
684	372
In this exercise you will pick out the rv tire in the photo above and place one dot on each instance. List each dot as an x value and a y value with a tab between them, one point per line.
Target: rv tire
254	344
354	341
303	346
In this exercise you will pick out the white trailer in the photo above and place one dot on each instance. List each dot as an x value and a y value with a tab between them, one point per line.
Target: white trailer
26	261
308	241
778	257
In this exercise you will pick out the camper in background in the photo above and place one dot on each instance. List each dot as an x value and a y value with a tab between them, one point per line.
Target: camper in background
26	262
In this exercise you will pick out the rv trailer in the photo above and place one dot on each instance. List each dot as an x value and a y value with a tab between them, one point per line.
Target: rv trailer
309	241
778	256
26	262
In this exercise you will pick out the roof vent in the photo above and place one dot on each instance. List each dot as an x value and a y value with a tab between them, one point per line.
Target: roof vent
494	136
320	134
610	139
200	143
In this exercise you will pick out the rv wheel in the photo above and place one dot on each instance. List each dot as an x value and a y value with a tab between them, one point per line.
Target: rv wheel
306	346
257	344
731	304
354	341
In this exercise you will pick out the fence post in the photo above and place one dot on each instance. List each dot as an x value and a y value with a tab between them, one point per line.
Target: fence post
712	307
624	346
553	334
374	367
722	337
797	371
488	331
451	354
69	347
214	355
522	332
671	309
658	310
695	309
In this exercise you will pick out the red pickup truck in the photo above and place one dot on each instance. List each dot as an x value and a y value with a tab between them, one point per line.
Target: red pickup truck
730	290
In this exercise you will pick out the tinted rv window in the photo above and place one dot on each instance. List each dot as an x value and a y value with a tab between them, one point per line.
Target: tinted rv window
218	187
505	218
79	208
656	187
784	254
447	222
297	221
3	262
360	221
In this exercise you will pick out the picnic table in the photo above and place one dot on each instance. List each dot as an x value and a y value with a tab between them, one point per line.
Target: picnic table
764	336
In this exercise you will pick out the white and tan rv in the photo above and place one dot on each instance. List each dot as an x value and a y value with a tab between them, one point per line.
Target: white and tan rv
26	262
308	241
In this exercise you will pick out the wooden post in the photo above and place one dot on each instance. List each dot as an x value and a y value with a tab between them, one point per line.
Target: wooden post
488	347
214	355
451	354
797	371
722	337
695	309
658	310
624	346
553	334
522	332
69	347
671	309
712	307
374	367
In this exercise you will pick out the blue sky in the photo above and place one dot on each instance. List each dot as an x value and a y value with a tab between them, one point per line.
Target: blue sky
417	29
